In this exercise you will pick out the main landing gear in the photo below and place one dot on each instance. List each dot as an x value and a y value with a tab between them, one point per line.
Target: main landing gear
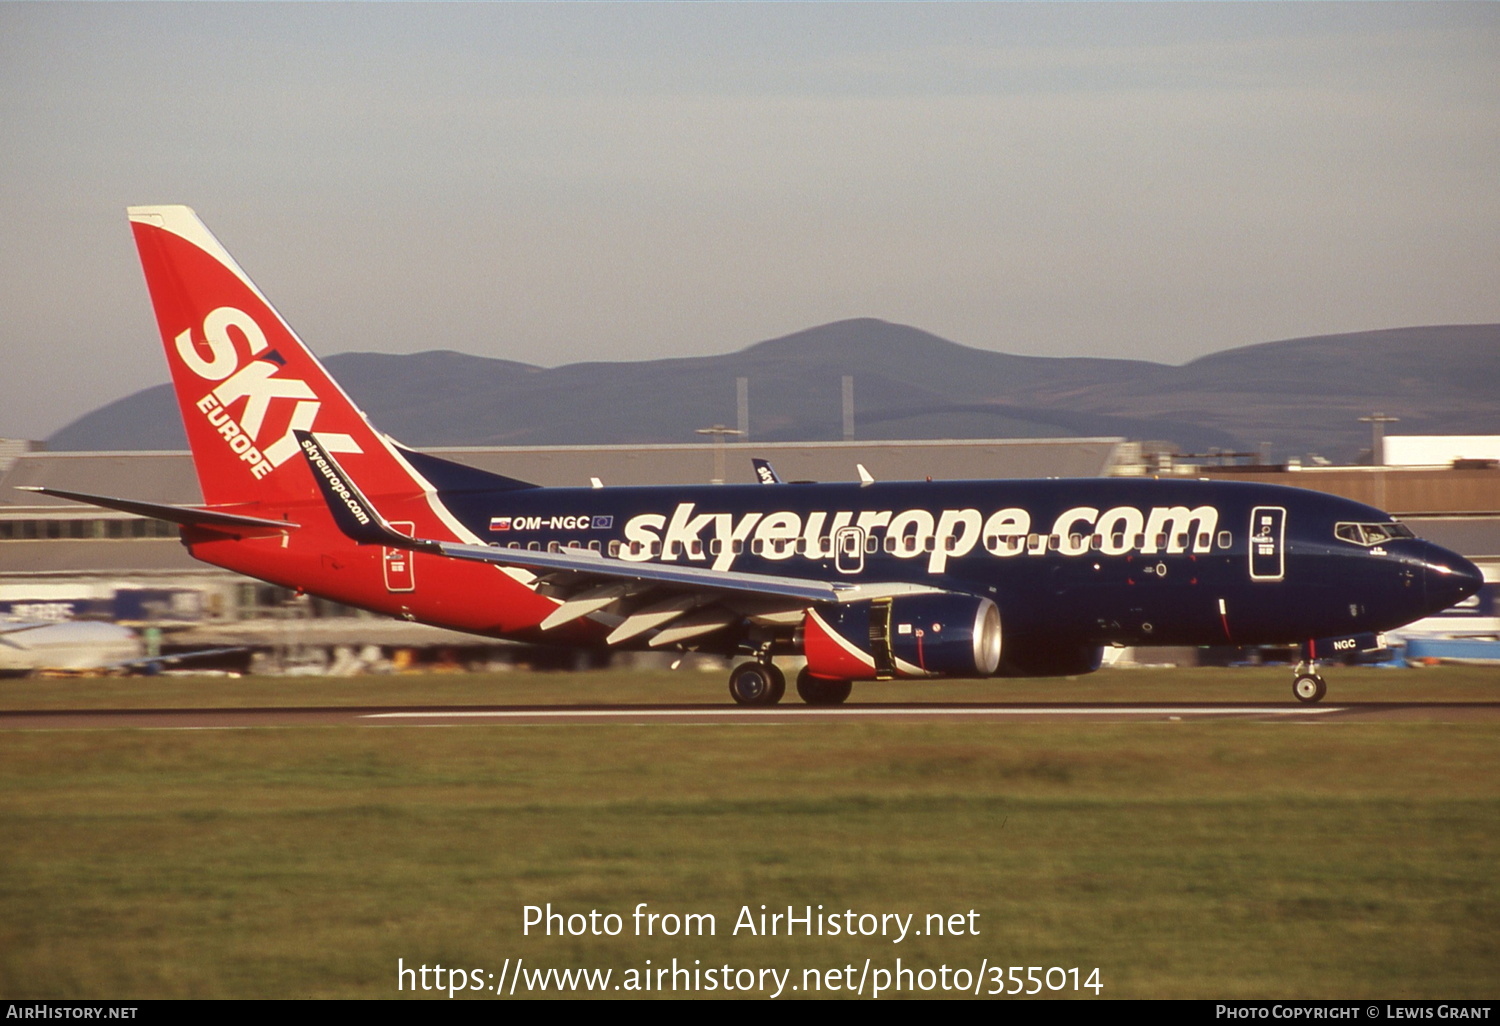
817	691
1308	687
757	683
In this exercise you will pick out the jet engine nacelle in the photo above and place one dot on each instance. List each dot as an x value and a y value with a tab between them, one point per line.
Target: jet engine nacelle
938	634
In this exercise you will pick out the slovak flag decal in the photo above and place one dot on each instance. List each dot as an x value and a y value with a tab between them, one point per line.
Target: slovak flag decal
499	523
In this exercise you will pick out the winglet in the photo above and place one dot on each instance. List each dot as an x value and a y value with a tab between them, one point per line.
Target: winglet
352	512
764	472
864	475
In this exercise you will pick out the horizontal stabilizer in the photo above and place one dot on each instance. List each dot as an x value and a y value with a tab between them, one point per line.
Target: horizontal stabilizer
187	516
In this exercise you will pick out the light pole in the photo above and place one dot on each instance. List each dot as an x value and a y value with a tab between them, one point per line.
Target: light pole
1377	422
719	431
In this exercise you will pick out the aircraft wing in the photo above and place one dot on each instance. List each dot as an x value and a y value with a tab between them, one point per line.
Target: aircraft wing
85	646
151	663
29	625
592	581
594	564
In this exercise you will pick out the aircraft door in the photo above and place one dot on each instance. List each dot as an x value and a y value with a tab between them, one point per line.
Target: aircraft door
1267	543
849	549
400	575
880	639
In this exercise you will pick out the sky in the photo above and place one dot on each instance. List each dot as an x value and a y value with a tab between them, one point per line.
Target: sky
553	183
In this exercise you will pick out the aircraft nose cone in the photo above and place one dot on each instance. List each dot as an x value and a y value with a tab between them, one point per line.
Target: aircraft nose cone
1450	579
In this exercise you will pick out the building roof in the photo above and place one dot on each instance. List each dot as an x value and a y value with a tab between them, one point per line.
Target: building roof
1477	538
151	476
794	461
1403	491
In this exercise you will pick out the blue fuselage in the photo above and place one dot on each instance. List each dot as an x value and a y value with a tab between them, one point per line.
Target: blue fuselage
1092	562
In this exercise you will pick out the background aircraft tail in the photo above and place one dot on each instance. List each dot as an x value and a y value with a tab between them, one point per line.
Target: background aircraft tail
244	381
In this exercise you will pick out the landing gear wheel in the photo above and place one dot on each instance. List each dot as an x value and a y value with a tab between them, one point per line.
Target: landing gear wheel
778	683
817	691
757	684
1309	688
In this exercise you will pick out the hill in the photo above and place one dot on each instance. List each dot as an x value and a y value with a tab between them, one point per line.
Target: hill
1300	395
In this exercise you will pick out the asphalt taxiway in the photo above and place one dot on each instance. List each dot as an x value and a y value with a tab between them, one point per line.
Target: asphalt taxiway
388	716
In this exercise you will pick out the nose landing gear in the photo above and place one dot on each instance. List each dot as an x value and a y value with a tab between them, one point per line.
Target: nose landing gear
1308	687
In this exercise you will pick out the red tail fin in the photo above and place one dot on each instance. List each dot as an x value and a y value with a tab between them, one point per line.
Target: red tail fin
244	380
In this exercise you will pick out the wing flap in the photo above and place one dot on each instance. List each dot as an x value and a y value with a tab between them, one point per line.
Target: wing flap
579	605
693	625
654	615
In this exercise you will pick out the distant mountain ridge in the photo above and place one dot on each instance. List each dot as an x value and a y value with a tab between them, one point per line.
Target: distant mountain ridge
1299	395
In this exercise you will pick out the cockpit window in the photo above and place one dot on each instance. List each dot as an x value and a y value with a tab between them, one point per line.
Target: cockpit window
1371	534
1377	533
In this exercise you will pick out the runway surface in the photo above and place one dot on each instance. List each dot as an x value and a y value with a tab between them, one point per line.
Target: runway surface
1122	712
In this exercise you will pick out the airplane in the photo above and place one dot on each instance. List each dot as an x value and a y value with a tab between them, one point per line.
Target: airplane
64	646
868	580
83	647
764	472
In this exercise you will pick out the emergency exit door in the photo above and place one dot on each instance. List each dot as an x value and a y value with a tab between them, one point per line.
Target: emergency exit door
849	549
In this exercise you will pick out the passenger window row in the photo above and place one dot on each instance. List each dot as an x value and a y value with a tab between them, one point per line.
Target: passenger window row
908	543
